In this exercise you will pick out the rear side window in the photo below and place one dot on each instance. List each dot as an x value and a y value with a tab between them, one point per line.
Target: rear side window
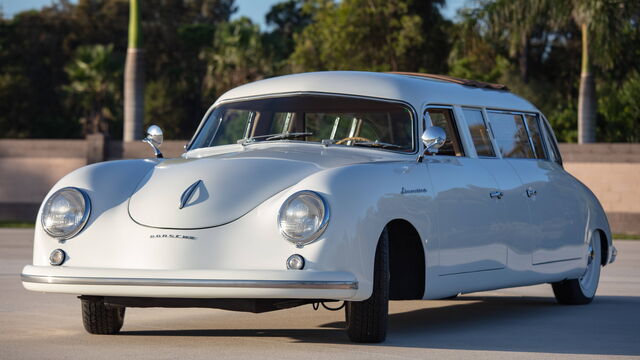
479	134
536	136
511	135
552	143
444	119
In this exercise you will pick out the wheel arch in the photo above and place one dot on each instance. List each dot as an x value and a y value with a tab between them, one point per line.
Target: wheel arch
407	262
604	246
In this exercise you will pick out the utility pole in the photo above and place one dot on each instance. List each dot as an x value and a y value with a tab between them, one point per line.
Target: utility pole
134	78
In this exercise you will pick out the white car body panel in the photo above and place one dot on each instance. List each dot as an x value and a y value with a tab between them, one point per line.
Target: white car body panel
136	230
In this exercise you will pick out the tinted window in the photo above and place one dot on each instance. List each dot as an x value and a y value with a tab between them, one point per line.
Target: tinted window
511	135
536	137
444	119
479	133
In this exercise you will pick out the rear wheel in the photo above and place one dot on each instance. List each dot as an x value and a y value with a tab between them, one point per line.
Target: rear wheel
583	290
99	318
367	320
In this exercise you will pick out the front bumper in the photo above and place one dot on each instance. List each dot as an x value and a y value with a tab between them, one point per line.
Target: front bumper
253	284
614	254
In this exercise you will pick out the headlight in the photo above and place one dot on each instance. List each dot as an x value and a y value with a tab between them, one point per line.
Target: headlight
303	217
65	213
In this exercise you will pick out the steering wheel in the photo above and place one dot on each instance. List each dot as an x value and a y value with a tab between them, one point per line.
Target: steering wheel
350	138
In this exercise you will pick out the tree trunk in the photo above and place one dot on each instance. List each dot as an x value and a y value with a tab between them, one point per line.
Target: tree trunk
587	98
523	58
133	94
134	78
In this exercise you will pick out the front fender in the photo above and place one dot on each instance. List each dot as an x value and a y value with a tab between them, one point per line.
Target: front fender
108	185
363	199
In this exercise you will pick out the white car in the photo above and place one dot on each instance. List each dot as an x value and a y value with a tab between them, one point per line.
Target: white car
324	187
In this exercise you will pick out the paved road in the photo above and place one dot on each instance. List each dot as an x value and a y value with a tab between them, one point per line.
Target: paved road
509	324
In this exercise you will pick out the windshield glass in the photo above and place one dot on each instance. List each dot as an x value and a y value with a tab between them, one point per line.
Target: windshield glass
334	119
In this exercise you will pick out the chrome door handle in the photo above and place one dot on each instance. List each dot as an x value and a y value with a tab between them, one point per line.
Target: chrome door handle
531	192
496	194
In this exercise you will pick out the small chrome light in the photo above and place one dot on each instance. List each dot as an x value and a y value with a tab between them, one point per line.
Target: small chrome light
295	262
57	257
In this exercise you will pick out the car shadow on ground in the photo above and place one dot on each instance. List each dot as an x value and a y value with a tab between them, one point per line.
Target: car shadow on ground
608	326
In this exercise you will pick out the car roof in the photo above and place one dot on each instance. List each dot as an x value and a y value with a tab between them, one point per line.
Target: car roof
415	88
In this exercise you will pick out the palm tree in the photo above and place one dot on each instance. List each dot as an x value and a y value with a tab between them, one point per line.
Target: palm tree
134	78
93	81
516	20
599	21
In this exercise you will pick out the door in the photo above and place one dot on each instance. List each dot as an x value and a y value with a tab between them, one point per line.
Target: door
513	224
466	212
556	215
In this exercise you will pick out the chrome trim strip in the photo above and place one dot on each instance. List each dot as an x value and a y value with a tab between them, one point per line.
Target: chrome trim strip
262	284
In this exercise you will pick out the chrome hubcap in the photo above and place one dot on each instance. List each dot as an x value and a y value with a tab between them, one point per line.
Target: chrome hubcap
590	255
589	280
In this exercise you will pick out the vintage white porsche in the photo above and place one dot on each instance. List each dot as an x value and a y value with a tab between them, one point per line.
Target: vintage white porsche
331	186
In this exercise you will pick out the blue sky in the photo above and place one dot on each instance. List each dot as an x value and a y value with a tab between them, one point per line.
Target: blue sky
254	9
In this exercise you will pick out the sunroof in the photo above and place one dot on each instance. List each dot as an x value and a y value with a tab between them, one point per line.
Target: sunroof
455	80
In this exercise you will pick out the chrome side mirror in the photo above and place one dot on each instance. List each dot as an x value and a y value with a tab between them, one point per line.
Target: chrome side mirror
154	139
433	138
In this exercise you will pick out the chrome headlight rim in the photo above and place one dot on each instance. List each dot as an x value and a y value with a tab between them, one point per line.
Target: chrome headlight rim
300	242
85	216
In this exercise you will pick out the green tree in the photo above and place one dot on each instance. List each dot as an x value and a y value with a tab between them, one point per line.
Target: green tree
375	35
94	75
287	19
237	57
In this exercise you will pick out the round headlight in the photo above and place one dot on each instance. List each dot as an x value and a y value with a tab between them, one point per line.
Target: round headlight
303	217
65	213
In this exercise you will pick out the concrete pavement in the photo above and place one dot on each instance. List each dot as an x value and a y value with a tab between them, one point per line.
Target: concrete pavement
518	323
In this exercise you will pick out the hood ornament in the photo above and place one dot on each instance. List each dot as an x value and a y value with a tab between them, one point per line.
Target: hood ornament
187	194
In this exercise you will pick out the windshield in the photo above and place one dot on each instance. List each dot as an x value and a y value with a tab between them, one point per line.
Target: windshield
329	119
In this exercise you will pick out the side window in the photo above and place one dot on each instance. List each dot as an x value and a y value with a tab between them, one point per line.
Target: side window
511	135
444	119
552	143
479	134
536	136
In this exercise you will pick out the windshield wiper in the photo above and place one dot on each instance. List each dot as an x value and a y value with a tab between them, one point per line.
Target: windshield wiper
289	135
377	144
280	136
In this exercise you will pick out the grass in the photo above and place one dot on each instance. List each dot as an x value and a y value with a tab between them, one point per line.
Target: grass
625	237
17	224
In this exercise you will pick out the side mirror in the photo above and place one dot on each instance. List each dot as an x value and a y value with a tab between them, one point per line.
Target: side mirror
154	139
433	138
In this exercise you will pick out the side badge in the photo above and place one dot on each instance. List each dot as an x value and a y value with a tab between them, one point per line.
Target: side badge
187	194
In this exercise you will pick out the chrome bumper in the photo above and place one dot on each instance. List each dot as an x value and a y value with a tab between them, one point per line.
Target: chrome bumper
193	283
614	254
255	284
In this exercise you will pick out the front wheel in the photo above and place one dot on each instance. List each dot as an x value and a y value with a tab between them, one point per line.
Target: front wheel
99	318
583	290
367	320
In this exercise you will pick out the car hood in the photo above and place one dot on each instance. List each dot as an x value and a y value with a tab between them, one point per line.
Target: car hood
228	185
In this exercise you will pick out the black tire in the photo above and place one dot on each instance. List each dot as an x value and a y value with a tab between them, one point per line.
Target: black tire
568	292
449	297
582	291
367	321
98	318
